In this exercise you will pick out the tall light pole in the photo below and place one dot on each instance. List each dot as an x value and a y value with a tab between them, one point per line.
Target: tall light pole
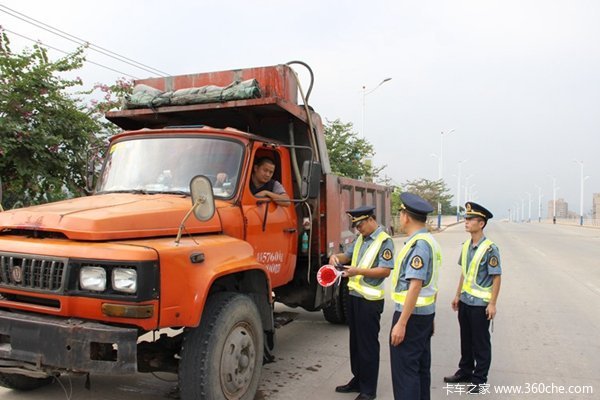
470	192
458	191
539	203
441	174
467	187
529	215
581	192
364	96
554	190
522	209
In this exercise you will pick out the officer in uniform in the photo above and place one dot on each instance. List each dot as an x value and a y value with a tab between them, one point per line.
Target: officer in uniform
414	290
475	299
371	260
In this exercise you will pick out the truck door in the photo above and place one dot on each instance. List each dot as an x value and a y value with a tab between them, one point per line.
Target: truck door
271	228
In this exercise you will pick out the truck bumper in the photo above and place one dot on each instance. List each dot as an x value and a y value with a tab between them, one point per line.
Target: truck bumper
47	343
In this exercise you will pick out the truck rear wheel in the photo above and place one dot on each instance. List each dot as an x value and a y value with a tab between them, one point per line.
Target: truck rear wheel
22	382
337	310
222	358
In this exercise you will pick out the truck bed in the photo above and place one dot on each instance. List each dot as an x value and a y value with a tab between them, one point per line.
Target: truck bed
343	194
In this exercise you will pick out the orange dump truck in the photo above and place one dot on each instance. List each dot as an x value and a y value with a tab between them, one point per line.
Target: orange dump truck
173	237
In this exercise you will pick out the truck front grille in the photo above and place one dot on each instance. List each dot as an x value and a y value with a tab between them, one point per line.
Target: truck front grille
32	272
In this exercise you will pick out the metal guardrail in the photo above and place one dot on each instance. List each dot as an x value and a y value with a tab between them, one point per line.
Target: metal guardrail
590	222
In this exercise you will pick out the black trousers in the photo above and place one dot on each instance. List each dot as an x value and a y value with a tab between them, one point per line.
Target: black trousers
411	359
363	319
475	343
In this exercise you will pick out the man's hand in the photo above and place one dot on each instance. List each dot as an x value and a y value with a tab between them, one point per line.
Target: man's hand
263	193
397	335
490	311
454	303
349	271
334	260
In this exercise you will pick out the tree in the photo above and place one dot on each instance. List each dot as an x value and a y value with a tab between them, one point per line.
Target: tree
112	97
432	191
349	155
46	135
395	197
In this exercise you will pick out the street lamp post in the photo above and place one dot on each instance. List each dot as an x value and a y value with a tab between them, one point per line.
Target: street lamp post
441	175
529	215
581	192
554	190
467	187
364	96
458	191
470	192
539	203
522	209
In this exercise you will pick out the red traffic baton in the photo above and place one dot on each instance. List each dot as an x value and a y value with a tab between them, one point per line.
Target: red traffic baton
327	275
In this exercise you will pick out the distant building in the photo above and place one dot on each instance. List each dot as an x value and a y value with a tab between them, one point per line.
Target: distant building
562	209
573	215
596	206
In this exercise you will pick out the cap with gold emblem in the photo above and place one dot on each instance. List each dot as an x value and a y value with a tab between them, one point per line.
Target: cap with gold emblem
476	210
415	204
360	213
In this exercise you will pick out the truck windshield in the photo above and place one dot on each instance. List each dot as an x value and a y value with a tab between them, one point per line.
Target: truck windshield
167	164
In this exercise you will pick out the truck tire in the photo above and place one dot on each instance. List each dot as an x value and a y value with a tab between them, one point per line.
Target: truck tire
222	358
22	382
336	311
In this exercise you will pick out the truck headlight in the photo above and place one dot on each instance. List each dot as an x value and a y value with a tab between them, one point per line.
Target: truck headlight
92	278
124	280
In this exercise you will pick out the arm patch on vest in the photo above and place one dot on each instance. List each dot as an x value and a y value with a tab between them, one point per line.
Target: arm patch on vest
493	261
416	262
387	255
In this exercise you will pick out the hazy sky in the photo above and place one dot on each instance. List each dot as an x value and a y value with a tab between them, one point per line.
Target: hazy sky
518	81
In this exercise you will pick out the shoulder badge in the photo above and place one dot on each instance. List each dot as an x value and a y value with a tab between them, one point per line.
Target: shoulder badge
387	255
493	261
416	262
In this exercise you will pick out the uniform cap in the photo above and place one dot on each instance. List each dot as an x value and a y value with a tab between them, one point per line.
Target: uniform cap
415	204
360	213
476	210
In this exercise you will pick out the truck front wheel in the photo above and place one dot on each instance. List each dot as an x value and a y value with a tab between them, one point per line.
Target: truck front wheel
22	382
222	357
337	310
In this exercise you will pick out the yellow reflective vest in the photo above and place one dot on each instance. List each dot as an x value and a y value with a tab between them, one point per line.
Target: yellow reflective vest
357	282
470	277
429	290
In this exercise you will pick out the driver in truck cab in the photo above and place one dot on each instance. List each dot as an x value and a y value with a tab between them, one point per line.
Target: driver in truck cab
262	183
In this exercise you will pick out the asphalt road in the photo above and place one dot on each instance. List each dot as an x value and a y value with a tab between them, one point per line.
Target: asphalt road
545	335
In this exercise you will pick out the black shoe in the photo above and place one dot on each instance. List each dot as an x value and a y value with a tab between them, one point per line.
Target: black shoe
349	387
363	396
456	378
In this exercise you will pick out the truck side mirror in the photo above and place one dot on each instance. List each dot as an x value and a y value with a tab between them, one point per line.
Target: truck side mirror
203	203
311	180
